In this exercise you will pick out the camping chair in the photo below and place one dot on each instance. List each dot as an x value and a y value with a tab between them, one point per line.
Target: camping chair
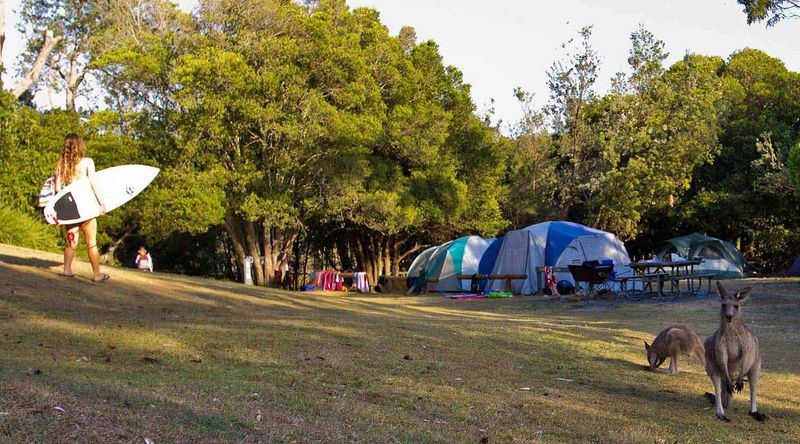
595	275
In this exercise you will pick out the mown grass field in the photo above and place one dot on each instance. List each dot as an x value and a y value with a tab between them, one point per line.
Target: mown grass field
179	359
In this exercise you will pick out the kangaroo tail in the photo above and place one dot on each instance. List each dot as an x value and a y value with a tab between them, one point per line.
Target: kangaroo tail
711	397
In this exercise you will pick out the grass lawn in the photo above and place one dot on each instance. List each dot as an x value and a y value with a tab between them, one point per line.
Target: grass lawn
178	359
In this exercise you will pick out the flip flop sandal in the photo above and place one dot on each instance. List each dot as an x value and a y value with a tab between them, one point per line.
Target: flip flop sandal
102	279
67	275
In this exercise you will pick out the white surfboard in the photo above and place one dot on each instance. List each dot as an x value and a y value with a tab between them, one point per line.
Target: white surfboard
76	202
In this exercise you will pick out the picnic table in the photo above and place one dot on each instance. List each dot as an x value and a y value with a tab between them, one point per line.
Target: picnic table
674	272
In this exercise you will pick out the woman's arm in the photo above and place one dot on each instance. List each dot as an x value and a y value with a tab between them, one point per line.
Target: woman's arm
96	188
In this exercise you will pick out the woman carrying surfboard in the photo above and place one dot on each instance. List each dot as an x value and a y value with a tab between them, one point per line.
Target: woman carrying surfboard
73	166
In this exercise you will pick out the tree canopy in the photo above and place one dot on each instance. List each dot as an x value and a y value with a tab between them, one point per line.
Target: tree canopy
773	11
307	132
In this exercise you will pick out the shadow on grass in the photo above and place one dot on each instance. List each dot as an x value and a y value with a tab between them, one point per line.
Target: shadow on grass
28	261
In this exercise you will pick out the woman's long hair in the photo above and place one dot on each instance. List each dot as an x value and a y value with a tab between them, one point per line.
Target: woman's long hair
71	155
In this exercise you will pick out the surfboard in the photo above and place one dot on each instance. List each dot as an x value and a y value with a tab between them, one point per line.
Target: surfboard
76	202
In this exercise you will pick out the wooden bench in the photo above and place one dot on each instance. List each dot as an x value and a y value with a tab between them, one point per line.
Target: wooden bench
675	280
647	281
507	278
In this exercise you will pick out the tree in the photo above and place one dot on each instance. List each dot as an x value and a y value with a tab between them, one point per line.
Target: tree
571	82
324	121
747	196
38	62
2	36
794	166
63	29
646	59
532	178
633	152
773	11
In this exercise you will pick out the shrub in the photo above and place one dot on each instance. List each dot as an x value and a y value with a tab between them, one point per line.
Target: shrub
24	230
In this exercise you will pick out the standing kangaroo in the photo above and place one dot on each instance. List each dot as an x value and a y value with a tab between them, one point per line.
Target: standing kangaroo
731	353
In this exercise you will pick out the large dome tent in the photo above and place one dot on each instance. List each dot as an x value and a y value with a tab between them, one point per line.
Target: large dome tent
556	244
461	256
420	262
490	255
719	256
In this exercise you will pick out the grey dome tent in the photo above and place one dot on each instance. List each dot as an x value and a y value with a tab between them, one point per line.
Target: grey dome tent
718	256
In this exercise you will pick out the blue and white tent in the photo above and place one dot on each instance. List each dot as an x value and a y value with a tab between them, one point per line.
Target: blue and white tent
556	244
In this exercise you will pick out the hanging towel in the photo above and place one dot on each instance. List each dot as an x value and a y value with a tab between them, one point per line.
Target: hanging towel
361	281
338	282
319	278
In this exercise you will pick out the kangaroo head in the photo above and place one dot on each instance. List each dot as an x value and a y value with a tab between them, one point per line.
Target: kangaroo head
652	357
730	304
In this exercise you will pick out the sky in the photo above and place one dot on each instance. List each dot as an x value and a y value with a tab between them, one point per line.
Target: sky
503	44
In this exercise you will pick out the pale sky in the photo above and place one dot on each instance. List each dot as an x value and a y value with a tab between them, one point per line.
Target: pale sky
501	44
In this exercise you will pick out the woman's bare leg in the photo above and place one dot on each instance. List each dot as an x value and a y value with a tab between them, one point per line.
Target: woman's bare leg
89	229
69	249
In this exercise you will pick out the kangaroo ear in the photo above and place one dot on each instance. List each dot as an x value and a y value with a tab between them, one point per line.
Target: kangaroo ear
646	345
743	294
723	293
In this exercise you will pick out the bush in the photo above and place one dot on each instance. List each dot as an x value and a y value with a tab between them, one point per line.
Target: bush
23	230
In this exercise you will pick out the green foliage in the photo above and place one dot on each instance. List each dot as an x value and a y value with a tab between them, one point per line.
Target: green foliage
190	201
24	230
274	121
31	143
794	166
773	11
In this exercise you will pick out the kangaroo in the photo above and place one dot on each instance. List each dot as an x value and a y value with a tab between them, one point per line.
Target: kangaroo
671	342
731	353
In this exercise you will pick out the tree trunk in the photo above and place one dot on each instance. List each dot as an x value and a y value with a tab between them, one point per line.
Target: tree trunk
276	241
269	255
387	257
238	245
395	257
254	250
2	34
377	259
344	253
69	101
33	73
108	256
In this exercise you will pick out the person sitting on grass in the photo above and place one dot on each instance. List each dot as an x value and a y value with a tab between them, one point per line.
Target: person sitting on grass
72	165
144	261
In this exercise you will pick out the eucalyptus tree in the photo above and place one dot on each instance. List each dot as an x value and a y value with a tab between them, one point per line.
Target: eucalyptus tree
65	29
773	11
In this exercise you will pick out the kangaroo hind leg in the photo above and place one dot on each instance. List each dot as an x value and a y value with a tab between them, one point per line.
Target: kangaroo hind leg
753	376
718	393
673	364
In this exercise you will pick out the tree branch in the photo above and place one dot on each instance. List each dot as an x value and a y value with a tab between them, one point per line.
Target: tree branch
33	74
2	29
416	248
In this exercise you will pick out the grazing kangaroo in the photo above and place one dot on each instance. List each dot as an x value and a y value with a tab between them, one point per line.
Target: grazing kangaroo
671	342
731	353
